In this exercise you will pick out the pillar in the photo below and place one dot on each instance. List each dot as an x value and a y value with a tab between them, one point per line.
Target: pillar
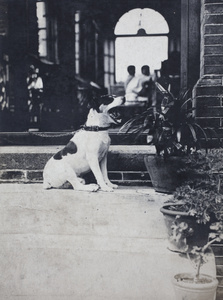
208	91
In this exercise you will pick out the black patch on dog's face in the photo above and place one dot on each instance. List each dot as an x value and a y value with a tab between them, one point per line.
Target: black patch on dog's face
70	148
106	99
95	103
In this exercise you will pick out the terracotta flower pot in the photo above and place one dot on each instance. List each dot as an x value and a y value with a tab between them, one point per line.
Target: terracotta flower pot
163	172
186	288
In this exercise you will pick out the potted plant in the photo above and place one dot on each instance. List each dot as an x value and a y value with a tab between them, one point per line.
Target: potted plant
198	201
171	127
196	286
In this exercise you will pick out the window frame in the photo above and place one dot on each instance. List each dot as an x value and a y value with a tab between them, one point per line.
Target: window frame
51	34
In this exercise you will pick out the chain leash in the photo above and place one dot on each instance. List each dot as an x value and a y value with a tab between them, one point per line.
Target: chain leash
47	135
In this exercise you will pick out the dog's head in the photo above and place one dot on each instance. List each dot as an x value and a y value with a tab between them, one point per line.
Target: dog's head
106	107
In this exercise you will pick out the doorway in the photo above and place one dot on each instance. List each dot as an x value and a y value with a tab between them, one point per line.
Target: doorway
141	39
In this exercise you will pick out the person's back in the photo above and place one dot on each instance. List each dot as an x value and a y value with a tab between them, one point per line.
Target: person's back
145	76
131	71
134	90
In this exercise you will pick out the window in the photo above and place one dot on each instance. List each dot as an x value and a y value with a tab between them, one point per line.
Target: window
109	62
42	27
47	32
148	19
77	42
142	39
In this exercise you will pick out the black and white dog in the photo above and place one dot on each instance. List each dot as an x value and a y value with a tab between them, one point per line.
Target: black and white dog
86	151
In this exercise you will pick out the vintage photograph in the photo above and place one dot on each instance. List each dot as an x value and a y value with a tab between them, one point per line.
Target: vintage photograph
111	153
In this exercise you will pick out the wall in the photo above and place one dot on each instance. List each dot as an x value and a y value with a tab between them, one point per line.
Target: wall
208	91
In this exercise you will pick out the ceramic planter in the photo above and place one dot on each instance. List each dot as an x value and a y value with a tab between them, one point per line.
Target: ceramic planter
163	172
185	288
201	231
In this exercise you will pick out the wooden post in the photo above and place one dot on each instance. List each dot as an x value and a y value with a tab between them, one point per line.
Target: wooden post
190	43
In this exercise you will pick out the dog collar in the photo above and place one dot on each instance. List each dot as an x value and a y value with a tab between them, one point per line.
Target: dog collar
95	128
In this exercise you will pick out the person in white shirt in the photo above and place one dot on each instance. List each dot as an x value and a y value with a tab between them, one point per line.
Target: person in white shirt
35	88
131	70
136	90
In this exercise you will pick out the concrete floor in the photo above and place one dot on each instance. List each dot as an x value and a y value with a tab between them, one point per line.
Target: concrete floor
63	245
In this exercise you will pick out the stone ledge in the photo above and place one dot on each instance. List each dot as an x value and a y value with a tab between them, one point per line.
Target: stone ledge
121	158
25	163
36	176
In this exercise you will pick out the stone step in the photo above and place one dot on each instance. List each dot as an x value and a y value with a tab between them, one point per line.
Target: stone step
26	163
36	176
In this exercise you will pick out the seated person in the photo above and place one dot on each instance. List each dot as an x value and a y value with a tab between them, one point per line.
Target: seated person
131	70
135	90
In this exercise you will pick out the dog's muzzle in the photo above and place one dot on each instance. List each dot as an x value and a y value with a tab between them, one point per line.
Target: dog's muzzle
116	113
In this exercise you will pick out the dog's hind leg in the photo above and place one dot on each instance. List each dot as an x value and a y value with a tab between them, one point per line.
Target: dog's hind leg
81	180
78	183
78	186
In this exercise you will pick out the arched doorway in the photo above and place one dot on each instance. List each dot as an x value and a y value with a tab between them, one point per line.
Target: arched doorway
141	38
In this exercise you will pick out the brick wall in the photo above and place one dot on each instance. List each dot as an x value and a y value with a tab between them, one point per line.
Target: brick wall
211	37
24	164
208	91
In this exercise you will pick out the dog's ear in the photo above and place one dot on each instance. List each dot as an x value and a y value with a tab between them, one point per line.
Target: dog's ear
106	99
94	103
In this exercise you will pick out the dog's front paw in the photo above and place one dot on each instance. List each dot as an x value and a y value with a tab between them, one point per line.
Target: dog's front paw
113	186
87	188
92	187
106	188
